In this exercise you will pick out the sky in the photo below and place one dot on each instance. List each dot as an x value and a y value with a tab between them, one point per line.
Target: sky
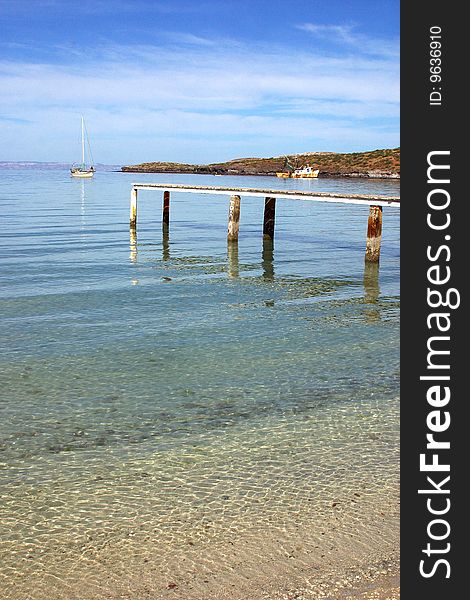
197	81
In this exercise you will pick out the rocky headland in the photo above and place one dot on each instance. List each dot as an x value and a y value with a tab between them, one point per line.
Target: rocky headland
384	164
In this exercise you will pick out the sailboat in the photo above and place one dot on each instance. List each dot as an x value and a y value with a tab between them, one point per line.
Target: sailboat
81	169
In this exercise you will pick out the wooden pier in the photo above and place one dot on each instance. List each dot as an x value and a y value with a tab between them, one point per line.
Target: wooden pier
375	203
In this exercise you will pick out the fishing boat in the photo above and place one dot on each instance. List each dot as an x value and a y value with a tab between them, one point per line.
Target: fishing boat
82	170
305	172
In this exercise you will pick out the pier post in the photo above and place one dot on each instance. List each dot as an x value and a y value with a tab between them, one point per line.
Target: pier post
166	208
374	234
269	218
133	214
233	218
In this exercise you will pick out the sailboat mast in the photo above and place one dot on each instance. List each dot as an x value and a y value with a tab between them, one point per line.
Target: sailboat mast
83	142
81	170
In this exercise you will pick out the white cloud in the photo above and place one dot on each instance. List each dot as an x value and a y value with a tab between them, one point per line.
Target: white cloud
347	36
147	94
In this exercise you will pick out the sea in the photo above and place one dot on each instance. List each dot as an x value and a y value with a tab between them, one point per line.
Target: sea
186	418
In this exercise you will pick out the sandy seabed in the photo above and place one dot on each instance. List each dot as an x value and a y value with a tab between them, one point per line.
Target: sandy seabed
328	562
275	527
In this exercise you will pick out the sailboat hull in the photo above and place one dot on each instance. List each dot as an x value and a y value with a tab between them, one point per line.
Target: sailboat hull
82	174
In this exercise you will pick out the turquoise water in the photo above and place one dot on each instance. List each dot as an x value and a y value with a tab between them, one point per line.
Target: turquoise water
170	404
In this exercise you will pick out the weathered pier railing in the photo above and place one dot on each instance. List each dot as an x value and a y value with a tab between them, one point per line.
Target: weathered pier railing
374	225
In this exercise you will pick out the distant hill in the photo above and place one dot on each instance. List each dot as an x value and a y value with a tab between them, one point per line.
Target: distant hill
31	164
375	163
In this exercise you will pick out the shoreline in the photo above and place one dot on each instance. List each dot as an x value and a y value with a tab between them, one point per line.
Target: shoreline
379	581
300	563
96	576
326	175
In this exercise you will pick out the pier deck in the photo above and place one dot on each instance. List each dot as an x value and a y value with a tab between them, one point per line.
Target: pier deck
374	225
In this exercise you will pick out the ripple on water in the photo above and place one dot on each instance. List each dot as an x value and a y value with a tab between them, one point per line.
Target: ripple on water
182	418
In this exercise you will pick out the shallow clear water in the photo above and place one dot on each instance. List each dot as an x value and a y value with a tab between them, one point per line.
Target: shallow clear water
169	403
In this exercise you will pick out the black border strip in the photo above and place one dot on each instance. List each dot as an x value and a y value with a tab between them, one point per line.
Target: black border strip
433	123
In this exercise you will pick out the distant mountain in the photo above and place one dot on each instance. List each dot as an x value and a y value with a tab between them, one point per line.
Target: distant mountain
375	163
32	164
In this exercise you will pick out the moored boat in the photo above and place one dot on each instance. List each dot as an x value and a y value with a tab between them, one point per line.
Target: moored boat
297	173
305	172
82	170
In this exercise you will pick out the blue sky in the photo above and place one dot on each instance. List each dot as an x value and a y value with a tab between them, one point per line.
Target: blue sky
198	81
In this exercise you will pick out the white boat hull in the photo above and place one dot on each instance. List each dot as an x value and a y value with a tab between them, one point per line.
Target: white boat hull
306	173
82	174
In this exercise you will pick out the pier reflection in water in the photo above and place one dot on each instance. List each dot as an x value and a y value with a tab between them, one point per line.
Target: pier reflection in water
371	282
371	290
166	242
133	244
371	285
232	258
268	259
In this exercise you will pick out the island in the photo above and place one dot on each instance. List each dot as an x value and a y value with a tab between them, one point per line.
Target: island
383	164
